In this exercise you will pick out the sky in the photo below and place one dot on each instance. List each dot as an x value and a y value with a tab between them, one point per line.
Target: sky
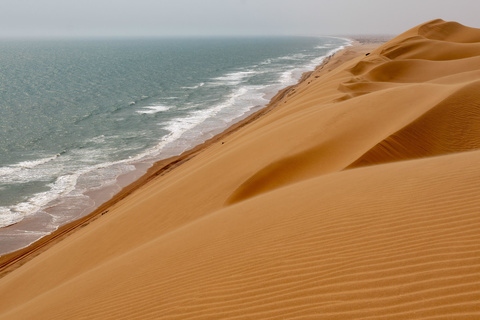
172	18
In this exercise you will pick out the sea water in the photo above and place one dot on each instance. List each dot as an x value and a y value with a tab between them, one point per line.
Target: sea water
77	115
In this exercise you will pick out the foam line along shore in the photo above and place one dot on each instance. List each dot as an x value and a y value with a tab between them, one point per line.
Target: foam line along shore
47	191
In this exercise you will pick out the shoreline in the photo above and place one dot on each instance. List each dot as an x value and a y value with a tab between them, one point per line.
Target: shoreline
13	260
79	188
355	196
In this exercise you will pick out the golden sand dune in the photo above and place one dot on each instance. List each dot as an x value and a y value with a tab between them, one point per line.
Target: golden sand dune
448	31
356	197
450	126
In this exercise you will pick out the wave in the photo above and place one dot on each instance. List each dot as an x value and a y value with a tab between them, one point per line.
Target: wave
24	165
183	132
15	213
234	78
294	57
201	84
297	56
153	109
98	139
70	185
291	76
238	102
268	61
188	130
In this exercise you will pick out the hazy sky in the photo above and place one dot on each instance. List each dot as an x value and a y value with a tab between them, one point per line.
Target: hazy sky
80	18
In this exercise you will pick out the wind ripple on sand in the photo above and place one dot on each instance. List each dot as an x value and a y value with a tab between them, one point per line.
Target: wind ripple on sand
289	233
391	256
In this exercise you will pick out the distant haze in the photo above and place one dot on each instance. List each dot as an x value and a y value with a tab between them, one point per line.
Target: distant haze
147	18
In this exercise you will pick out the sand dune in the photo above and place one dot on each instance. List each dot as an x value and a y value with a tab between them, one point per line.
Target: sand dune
356	197
450	126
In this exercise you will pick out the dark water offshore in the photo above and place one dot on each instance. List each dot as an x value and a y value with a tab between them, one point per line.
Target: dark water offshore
76	115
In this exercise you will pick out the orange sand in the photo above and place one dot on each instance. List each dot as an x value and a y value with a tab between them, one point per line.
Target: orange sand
357	197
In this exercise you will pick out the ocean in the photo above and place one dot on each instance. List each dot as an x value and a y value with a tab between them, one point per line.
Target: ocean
75	115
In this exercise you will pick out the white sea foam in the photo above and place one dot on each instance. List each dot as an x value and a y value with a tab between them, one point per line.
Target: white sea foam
61	186
26	171
268	61
98	139
153	109
7	217
242	100
238	102
234	78
17	212
287	77
34	163
291	76
65	185
188	126
184	132
8	170
195	87
297	56
25	165
44	173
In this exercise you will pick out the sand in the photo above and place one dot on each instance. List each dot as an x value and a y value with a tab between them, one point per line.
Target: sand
356	196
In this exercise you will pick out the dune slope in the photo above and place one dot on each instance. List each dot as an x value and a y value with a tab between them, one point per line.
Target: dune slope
356	198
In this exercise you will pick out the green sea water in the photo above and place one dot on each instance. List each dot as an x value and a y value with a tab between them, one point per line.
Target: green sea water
75	115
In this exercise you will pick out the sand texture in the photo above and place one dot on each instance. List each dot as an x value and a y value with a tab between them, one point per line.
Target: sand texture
356	197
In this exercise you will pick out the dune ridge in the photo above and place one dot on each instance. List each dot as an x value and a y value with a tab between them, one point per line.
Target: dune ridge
356	197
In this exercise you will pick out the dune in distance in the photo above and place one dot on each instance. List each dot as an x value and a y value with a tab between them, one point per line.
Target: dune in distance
356	197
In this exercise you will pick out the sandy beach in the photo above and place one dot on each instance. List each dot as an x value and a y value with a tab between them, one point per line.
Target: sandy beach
353	195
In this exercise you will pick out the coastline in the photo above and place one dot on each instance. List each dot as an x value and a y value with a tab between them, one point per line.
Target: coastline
15	259
355	197
63	179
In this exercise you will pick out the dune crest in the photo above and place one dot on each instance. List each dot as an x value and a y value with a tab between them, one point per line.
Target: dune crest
356	197
450	126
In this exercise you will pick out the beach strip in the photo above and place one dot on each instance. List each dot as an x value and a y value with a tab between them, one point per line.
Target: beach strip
11	261
355	197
